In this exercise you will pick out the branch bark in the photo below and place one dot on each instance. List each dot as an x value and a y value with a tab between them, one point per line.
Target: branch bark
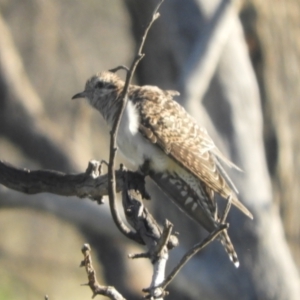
97	289
113	134
89	184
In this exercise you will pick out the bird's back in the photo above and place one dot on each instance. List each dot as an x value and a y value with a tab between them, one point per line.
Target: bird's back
166	124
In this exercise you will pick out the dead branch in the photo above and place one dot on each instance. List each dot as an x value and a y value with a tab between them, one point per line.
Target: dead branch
198	247
89	184
97	289
113	134
157	241
191	252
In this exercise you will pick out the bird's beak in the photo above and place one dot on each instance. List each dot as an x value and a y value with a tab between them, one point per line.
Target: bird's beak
79	95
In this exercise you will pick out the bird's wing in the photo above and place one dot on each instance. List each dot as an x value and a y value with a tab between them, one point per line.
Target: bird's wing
165	123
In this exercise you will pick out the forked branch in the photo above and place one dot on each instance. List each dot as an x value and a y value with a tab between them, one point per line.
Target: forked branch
97	289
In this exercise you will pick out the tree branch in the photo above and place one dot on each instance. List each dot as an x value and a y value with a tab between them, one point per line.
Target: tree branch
113	134
199	246
90	184
97	289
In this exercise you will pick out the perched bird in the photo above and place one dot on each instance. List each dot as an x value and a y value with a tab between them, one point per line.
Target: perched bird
160	137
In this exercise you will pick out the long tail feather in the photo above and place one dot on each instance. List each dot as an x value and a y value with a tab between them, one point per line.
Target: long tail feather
226	242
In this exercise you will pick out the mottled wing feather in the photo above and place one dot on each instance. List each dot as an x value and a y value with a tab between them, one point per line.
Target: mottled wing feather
165	123
178	135
185	197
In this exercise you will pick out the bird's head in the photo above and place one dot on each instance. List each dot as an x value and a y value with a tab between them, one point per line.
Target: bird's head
102	91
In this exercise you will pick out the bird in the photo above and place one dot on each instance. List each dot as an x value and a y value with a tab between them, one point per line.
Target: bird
157	135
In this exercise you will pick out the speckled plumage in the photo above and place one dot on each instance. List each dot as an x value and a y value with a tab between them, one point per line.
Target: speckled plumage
181	157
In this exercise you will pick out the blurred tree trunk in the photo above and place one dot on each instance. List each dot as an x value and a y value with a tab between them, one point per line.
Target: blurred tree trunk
277	27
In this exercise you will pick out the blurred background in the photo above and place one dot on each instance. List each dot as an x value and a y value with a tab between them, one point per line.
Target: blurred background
236	65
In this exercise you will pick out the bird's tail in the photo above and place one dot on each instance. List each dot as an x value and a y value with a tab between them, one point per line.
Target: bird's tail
227	244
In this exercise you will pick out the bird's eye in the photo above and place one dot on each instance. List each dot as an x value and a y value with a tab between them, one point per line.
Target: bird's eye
100	85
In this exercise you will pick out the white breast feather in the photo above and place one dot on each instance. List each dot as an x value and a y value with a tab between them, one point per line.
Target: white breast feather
134	146
137	149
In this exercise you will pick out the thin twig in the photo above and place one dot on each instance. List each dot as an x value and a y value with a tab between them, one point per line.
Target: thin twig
164	239
113	134
114	70
139	255
97	289
227	209
195	249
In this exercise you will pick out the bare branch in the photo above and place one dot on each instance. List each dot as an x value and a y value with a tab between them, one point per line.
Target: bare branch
93	185
227	209
138	216
114	70
194	250
90	184
113	134
164	239
161	256
158	242
97	289
139	255
83	185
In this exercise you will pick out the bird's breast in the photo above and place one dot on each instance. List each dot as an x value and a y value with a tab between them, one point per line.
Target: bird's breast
135	147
